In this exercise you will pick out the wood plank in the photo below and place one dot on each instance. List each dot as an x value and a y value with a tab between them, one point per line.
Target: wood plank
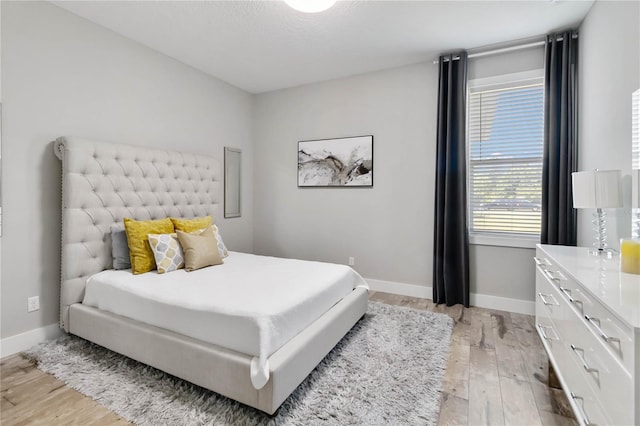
485	399
45	400
415	303
503	329
456	387
18	375
36	389
481	330
536	362
485	403
456	376
510	362
388	298
5	404
551	400
47	410
521	407
483	365
453	410
525	322
552	419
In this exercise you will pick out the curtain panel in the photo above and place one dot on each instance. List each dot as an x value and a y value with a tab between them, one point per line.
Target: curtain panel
560	155
451	237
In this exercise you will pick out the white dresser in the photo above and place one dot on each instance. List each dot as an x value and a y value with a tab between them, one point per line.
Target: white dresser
588	317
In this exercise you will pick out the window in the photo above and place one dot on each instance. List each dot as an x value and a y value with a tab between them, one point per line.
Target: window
505	120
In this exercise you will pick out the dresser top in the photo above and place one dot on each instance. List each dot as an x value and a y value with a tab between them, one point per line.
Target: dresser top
602	278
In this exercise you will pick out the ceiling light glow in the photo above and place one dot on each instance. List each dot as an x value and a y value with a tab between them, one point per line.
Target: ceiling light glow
310	6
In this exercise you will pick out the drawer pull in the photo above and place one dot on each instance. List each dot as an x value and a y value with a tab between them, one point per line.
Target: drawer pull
586	367
549	274
595	322
544	300
544	334
541	263
567	293
585	419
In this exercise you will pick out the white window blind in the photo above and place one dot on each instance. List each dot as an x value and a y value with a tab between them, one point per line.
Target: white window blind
505	138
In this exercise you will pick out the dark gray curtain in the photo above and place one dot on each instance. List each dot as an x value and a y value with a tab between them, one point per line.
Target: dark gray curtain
451	238
560	158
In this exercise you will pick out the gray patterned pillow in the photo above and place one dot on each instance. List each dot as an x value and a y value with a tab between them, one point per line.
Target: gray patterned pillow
167	252
119	247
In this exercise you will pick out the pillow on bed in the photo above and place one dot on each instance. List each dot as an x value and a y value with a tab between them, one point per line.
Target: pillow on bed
222	249
119	247
167	252
190	225
199	224
142	259
199	250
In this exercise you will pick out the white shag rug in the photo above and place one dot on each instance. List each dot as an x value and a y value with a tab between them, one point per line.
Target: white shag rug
387	370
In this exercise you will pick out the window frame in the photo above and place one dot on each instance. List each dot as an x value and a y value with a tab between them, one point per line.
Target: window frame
502	239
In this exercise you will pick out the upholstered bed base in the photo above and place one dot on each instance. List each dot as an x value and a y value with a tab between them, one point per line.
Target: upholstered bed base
104	182
213	367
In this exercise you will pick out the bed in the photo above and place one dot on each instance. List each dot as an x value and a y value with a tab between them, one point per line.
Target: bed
251	351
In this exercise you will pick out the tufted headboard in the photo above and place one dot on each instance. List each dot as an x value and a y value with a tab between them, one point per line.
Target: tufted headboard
104	182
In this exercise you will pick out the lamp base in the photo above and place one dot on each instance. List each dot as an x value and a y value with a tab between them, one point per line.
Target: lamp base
606	252
600	227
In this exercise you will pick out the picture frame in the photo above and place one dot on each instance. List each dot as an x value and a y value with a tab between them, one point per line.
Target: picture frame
336	162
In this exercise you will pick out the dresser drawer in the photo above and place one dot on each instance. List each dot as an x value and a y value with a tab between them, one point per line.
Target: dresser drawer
616	336
549	302
611	384
588	316
583	399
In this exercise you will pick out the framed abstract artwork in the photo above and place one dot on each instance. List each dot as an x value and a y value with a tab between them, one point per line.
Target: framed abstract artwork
338	162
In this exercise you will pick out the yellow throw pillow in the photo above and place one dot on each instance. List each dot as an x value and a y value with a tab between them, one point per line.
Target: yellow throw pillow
190	225
140	252
199	250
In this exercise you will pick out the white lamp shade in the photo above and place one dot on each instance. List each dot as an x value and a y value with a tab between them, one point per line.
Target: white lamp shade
597	189
635	188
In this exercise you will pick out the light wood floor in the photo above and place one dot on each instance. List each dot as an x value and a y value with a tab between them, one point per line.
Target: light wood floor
496	374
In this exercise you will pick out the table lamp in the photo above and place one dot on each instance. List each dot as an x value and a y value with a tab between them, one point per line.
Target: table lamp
598	189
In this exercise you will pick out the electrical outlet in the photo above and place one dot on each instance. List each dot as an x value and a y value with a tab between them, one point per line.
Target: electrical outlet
352	261
33	304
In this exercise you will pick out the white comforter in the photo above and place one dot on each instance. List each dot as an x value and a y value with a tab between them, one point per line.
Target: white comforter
250	304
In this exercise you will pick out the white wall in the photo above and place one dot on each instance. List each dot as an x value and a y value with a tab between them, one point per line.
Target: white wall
387	228
63	75
609	72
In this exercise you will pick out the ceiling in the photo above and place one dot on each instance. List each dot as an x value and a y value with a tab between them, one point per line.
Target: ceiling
261	46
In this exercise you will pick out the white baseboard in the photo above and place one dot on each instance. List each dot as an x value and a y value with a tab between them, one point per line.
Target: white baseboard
518	306
21	342
400	288
480	300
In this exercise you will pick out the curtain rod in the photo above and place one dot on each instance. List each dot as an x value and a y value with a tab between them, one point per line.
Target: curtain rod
505	49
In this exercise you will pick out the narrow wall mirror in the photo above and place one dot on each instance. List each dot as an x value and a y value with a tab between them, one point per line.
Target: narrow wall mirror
232	160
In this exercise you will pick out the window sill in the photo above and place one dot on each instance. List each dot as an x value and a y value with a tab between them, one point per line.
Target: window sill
503	241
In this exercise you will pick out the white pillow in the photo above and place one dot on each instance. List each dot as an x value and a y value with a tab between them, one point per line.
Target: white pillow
222	249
